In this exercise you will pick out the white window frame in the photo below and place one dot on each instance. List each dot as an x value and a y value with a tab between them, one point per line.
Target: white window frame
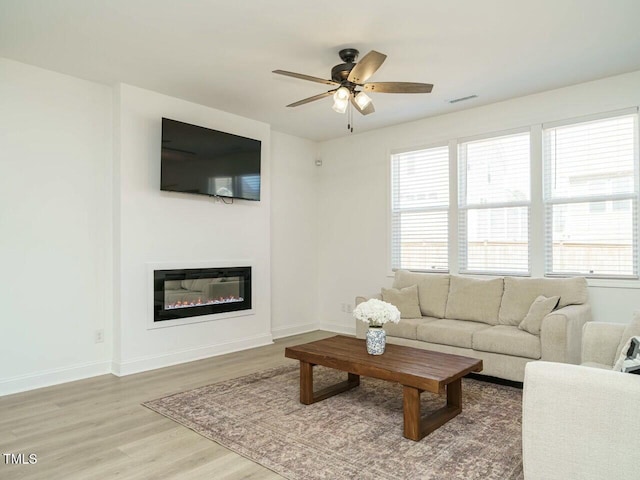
549	202
464	207
393	266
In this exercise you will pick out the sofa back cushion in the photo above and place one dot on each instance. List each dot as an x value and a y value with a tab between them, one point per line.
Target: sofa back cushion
520	293
433	289
474	299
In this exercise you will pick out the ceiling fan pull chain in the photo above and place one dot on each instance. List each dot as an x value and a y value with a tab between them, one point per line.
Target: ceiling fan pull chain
351	112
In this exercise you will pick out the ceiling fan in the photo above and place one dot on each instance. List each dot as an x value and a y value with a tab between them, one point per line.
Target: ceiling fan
350	82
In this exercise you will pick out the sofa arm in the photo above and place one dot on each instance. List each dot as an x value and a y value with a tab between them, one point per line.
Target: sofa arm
361	327
600	342
561	333
579	423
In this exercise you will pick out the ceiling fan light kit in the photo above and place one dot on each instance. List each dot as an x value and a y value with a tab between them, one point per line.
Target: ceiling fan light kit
362	99
341	99
347	77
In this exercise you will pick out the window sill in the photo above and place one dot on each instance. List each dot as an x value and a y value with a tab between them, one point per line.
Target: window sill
613	283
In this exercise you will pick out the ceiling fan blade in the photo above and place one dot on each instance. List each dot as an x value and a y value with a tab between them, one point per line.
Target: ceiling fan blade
398	87
311	99
366	67
364	111
305	77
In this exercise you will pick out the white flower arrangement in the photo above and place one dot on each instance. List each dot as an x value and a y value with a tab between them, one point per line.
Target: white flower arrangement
376	312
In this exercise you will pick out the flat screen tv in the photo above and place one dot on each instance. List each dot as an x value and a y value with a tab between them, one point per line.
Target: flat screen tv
208	162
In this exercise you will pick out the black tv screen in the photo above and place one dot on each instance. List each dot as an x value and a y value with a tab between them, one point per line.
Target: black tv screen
208	162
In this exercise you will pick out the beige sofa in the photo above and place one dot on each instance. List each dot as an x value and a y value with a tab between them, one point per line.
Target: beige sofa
480	318
579	423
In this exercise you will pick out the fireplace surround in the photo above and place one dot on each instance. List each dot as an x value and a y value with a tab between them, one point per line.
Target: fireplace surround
182	293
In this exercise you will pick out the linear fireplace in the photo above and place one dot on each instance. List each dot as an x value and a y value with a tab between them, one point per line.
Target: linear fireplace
191	292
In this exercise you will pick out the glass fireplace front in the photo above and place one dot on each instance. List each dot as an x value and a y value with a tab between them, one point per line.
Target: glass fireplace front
200	291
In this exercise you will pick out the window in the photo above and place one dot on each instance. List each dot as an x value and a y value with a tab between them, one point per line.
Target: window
419	209
591	197
494	203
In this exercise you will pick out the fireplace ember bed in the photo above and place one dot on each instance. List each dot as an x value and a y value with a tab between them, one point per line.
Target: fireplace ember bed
183	293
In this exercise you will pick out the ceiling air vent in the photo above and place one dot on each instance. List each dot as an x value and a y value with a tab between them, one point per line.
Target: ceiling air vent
462	99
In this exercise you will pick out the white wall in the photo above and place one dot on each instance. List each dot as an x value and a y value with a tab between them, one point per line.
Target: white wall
55	156
294	235
82	215
155	227
353	190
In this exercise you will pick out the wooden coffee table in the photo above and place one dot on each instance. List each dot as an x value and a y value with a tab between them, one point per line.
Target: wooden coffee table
415	369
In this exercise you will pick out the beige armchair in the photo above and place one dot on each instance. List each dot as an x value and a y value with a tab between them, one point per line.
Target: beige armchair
580	422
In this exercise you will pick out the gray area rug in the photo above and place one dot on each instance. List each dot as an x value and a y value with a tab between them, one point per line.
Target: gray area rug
356	434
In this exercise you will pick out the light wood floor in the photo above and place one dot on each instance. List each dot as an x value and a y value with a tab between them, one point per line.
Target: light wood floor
97	429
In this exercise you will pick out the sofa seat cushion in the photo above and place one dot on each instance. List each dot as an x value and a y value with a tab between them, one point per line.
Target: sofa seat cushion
433	290
407	327
508	340
520	293
457	333
475	299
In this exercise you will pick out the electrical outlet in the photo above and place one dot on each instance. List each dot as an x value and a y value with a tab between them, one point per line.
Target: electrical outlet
346	308
99	338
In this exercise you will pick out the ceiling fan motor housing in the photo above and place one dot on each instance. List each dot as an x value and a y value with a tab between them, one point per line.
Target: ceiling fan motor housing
340	72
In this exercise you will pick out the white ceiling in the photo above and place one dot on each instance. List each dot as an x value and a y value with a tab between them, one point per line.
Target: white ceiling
221	53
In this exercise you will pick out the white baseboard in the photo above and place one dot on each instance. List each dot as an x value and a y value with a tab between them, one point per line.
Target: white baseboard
337	328
294	330
54	376
143	364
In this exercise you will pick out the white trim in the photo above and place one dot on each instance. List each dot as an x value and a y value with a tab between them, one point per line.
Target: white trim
151	266
388	179
55	376
454	259
613	283
397	151
337	328
293	330
499	133
152	362
592	199
537	250
590	118
480	206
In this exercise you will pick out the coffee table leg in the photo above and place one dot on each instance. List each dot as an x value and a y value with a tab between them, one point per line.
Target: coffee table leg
415	427
306	383
454	395
411	407
307	396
